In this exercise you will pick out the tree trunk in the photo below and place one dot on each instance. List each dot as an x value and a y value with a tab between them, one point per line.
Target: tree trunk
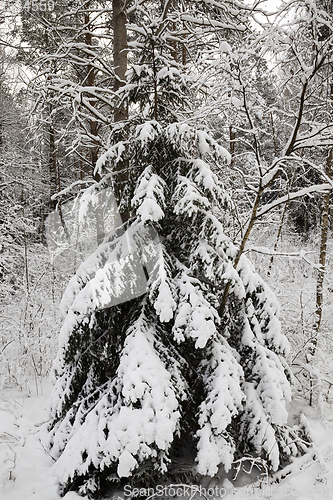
93	125
94	129
313	344
242	247
232	138
285	209
119	54
323	249
120	110
52	166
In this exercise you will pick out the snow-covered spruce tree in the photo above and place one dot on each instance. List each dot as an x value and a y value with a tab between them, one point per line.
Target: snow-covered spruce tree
149	370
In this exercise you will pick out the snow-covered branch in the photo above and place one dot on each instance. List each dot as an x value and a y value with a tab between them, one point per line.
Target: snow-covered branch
318	188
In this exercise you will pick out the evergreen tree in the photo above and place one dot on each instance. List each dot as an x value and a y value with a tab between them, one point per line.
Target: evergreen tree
149	365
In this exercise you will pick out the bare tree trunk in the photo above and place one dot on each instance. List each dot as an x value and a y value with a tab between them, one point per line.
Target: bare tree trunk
232	137
119	54
323	249
274	136
52	166
242	246
93	125
120	111
312	346
285	208
94	129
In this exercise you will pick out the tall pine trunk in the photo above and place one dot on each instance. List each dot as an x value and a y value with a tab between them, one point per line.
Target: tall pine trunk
119	53
94	129
120	110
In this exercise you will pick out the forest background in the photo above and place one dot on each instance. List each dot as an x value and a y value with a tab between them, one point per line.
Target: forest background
260	81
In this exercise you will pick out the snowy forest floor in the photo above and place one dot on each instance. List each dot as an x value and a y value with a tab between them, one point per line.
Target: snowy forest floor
26	471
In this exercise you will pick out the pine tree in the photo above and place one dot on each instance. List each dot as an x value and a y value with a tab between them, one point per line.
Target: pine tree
148	364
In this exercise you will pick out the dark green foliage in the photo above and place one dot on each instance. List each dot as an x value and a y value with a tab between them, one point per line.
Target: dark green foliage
160	379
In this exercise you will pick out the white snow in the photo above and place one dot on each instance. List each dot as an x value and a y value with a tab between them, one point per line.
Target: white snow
148	131
115	429
149	196
225	47
236	102
126	464
26	468
319	188
111	275
195	317
164	304
115	152
187	197
224	399
205	175
27	471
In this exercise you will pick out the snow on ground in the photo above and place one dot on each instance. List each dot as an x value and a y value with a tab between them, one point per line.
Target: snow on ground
26	468
26	471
